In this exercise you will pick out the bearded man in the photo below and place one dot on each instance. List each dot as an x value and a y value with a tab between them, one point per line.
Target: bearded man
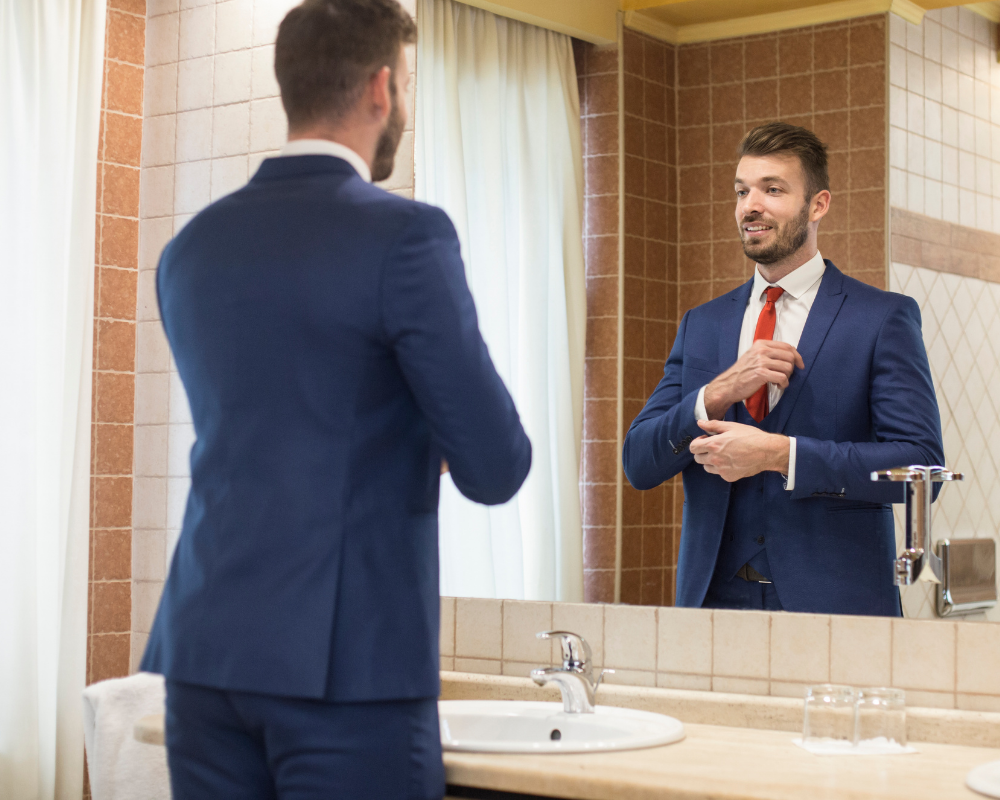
329	347
777	402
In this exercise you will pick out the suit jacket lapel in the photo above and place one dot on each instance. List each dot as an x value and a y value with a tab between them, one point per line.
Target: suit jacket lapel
824	311
729	334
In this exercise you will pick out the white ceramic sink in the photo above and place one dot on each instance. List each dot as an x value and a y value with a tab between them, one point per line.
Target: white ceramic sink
506	726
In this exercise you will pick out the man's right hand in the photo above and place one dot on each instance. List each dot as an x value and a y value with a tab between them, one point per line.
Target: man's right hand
766	361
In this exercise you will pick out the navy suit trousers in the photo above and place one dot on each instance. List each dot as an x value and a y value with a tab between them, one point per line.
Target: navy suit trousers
223	744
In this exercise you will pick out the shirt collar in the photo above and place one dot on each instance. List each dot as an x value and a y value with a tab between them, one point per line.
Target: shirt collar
797	282
324	147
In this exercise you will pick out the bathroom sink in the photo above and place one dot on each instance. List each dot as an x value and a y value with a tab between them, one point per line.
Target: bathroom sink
507	726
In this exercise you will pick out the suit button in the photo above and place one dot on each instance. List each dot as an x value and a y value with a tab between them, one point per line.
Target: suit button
760	540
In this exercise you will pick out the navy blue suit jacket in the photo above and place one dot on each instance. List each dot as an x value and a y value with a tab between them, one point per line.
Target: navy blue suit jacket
864	401
331	354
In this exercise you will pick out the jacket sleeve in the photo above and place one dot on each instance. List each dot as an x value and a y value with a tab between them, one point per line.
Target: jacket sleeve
906	424
657	443
430	320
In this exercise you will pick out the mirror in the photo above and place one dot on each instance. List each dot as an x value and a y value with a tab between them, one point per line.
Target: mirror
685	109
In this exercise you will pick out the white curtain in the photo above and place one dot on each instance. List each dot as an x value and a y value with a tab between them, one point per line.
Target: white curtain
51	56
497	146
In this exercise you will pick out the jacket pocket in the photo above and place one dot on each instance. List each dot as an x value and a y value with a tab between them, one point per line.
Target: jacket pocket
857	508
701	364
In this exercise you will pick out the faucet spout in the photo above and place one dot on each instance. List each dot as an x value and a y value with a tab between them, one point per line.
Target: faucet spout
577	692
575	678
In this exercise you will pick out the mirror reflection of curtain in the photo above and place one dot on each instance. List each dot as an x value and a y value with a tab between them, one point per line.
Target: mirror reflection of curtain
51	58
497	146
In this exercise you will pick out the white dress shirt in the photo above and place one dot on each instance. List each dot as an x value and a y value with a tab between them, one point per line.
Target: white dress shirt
792	310
324	147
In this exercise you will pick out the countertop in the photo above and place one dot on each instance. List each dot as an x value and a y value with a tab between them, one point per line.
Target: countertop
738	747
718	763
712	763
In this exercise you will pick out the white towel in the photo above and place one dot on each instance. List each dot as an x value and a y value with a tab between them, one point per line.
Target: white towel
121	768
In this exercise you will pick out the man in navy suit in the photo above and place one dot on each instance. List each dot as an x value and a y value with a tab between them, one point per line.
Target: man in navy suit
777	402
330	351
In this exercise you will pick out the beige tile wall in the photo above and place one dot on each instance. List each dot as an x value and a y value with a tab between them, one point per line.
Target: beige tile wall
961	327
944	146
940	664
944	113
211	114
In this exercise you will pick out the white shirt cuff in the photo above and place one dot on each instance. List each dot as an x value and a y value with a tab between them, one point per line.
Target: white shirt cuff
790	478
700	413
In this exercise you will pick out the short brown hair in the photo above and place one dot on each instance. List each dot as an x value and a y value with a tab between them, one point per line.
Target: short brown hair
780	137
327	50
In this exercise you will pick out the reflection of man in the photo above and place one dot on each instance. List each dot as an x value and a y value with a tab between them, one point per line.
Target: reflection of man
804	381
329	347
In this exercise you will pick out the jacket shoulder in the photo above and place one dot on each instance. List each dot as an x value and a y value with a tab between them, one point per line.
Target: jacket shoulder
408	213
877	298
721	305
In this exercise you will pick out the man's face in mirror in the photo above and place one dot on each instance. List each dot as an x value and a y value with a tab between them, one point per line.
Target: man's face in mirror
388	142
772	210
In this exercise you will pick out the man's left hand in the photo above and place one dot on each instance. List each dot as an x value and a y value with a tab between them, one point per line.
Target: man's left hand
733	451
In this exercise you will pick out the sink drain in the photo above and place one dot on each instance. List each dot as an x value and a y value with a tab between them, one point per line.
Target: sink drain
556	735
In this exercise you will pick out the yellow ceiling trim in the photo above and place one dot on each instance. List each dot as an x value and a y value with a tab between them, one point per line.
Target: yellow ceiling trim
639	5
663	31
767	23
989	10
591	20
908	10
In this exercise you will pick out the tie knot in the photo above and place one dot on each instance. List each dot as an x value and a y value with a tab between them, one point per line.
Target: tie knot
773	293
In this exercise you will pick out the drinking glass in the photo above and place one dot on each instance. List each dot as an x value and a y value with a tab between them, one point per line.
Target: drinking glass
881	715
829	715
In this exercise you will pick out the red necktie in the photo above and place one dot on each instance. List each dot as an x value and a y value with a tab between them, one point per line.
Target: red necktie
758	404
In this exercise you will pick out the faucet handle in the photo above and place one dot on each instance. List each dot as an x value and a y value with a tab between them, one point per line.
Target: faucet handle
575	650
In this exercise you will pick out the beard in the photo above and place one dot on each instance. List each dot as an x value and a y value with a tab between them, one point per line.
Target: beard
788	238
388	141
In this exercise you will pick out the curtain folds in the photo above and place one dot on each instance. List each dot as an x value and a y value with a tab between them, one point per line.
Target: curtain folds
51	59
497	146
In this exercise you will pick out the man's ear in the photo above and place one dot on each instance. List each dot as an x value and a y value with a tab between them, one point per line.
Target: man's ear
819	205
379	94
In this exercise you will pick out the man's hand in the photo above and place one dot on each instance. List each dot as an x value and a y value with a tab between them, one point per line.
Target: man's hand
765	362
733	451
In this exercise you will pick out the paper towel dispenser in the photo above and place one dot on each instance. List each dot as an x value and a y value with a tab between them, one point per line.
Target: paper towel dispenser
969	576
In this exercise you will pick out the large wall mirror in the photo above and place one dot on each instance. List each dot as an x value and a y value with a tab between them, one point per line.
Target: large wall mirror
660	126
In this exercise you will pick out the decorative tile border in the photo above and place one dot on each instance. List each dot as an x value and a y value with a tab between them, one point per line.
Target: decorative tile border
939	663
921	241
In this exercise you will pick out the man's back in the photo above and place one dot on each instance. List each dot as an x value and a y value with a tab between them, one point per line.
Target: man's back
329	348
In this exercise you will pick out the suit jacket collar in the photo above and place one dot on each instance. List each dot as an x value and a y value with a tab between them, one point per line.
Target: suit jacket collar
325	147
829	299
285	167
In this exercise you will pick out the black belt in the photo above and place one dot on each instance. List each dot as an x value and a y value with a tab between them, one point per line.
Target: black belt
748	573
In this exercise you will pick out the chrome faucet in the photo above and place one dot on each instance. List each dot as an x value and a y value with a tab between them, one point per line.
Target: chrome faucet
918	562
575	678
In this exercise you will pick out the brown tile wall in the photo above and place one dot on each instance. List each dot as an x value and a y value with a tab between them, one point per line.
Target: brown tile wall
829	78
597	73
114	341
650	292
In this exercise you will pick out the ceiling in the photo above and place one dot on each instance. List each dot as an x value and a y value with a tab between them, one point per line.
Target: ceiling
679	21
